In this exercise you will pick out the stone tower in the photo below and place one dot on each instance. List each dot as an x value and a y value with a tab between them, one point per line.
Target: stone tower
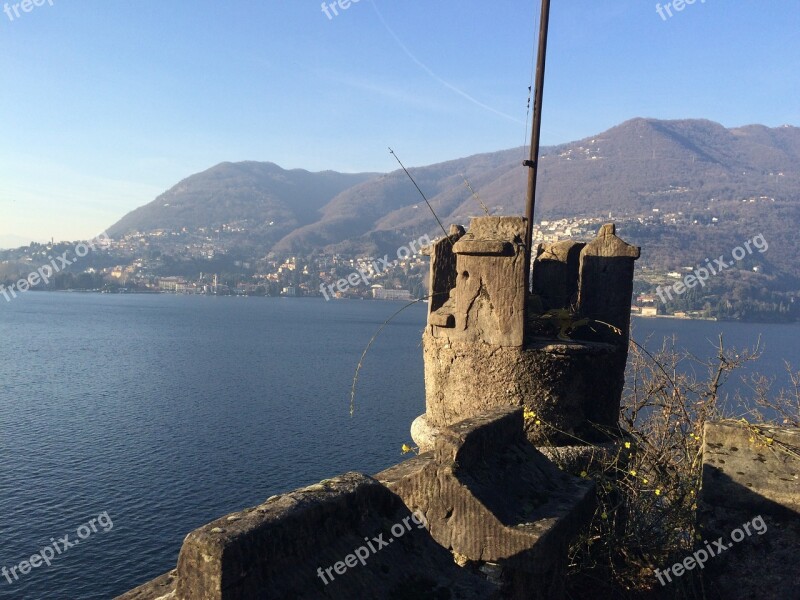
560	350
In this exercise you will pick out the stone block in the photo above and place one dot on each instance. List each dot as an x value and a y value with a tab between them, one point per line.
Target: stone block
751	477
555	274
443	268
495	500
605	286
487	301
574	386
277	551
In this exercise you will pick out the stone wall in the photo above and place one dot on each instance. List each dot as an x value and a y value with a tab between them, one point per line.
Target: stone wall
484	497
751	490
562	382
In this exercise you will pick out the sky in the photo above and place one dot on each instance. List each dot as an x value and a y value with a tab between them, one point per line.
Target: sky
106	104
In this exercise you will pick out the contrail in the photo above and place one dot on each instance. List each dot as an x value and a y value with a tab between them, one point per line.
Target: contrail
425	68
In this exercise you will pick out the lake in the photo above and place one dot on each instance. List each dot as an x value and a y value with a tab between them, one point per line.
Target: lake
154	414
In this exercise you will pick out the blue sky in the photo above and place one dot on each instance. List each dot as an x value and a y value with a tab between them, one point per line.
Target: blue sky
104	105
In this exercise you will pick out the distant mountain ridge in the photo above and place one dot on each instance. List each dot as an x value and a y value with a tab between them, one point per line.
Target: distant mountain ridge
269	200
632	168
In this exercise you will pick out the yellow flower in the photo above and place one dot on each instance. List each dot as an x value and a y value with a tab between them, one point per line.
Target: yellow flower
769	441
627	444
406	449
658	491
644	480
584	474
633	472
538	422
691	492
528	414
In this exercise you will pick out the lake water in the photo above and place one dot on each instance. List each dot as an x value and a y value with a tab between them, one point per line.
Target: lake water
165	412
778	344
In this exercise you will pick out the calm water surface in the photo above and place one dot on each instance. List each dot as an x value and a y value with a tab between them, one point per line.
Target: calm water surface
778	343
166	412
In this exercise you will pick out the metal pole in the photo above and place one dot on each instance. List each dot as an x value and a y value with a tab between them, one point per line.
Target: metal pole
532	163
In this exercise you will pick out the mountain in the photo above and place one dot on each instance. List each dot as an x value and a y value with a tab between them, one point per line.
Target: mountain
638	166
645	162
269	202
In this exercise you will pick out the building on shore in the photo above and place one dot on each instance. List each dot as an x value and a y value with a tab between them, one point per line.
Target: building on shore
381	293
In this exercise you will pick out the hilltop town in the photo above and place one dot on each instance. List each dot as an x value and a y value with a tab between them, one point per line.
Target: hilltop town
215	261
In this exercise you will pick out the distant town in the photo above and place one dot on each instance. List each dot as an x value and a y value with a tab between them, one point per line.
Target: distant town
212	262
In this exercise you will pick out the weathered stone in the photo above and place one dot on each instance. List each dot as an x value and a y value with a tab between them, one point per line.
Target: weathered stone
555	274
161	588
423	433
442	319
491	497
751	476
480	352
443	268
590	458
574	387
487	304
489	500
606	280
484	248
275	550
731	462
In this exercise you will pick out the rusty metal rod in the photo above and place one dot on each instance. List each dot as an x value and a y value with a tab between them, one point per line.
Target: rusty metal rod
533	162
